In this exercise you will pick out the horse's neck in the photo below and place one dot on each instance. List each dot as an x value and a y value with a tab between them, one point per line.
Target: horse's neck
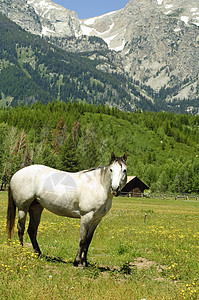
105	178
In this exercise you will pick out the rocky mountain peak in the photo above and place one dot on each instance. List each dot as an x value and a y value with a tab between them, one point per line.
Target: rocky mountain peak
42	17
55	19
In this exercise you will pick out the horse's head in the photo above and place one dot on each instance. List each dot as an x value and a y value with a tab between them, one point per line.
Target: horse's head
118	171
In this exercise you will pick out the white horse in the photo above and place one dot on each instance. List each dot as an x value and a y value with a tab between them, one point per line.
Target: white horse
87	195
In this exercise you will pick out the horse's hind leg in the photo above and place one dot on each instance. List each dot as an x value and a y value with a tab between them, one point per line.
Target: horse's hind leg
35	211
21	224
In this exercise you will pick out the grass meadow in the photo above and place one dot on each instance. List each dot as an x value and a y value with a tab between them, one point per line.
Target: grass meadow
143	249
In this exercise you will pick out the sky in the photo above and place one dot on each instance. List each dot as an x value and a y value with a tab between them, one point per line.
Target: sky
90	8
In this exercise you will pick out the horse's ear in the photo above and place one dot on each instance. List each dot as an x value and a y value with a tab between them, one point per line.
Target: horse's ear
113	157
124	157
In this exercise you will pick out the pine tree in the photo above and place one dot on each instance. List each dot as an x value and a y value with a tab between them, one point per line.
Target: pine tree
68	155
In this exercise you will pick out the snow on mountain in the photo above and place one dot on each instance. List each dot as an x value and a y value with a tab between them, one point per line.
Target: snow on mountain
105	27
44	6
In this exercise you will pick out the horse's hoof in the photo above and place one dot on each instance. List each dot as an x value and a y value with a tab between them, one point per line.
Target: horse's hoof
80	264
76	263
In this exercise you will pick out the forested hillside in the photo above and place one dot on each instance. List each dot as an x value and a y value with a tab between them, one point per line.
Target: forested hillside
162	147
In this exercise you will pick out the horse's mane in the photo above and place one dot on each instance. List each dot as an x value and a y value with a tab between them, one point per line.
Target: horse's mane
120	160
94	169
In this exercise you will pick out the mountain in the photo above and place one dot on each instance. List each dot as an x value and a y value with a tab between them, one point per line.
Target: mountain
41	17
32	69
153	42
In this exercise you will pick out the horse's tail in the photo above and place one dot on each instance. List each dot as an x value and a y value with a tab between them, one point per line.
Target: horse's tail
11	213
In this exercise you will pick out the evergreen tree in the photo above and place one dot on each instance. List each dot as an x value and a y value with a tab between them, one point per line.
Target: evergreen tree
68	156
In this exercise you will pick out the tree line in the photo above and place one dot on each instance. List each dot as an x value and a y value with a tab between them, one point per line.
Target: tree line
162	147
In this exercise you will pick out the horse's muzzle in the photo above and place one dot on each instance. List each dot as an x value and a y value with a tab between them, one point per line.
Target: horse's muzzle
115	192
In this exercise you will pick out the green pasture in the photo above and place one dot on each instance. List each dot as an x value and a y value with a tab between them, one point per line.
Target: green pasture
143	249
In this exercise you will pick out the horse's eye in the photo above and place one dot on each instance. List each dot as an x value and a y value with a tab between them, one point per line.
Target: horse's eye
125	171
111	170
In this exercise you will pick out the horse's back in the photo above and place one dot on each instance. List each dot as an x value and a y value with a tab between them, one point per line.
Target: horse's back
23	183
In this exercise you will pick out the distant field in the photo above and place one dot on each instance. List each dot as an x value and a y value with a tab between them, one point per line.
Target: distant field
143	249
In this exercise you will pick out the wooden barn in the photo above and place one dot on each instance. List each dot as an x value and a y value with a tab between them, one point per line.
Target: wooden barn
134	187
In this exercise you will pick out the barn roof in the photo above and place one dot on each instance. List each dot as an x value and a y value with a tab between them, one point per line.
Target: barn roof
133	182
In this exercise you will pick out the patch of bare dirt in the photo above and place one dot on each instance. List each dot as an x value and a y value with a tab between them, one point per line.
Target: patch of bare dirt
144	263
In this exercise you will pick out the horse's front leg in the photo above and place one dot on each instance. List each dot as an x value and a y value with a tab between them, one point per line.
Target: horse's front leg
80	259
91	230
